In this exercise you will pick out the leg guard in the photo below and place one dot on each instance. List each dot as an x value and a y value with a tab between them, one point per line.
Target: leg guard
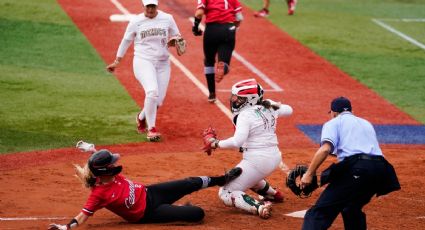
244	202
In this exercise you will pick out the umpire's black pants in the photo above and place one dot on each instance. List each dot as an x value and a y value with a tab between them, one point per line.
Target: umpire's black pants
219	39
160	199
352	189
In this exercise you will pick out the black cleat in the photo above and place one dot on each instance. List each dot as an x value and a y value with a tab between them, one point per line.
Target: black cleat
231	175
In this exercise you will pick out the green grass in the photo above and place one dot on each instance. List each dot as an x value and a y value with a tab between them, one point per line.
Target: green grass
53	87
342	32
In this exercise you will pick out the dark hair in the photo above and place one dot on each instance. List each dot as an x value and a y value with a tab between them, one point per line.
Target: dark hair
268	105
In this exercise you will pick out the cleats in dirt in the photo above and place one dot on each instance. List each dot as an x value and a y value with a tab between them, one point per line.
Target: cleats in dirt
262	13
141	124
153	135
276	198
212	98
231	175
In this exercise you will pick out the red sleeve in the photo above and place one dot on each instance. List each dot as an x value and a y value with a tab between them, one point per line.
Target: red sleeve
94	203
237	6
201	4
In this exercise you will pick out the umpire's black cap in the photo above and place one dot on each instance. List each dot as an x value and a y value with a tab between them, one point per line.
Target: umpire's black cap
340	104
101	163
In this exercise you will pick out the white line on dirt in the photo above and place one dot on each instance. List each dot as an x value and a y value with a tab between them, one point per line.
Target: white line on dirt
250	66
201	86
398	33
297	214
31	218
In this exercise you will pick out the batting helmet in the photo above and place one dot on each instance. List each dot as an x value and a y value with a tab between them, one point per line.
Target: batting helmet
245	93
101	163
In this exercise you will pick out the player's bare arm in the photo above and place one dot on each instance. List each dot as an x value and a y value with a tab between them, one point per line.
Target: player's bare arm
74	223
111	67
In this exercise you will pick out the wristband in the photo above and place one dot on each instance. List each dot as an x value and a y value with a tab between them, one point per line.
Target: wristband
73	223
196	22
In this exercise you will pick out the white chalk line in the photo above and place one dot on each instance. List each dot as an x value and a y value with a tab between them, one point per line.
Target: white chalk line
30	218
398	33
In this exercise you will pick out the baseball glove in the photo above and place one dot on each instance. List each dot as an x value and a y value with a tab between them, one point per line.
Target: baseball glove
209	136
179	43
291	182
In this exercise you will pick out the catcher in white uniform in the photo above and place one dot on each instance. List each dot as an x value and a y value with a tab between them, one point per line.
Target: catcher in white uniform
255	120
153	32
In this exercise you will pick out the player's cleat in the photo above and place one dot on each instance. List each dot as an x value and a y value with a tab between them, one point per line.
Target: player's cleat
153	135
291	6
265	210
262	13
211	98
221	70
276	198
141	124
231	175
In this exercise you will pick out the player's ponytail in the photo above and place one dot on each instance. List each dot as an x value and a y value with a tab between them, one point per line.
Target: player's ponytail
85	175
268	104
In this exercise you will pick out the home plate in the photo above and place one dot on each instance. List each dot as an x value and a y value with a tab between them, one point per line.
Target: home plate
297	214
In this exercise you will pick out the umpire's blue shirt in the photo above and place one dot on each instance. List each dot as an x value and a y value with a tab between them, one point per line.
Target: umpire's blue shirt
350	135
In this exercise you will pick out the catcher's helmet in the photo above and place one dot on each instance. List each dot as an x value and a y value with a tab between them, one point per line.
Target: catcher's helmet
245	93
101	163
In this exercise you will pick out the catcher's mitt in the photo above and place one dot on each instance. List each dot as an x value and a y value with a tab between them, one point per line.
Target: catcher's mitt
209	136
291	182
179	43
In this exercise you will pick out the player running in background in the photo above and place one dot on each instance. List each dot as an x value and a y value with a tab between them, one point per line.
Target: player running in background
255	123
264	12
150	32
221	18
136	202
361	173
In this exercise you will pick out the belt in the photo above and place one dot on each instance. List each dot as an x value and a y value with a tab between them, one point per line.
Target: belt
369	157
242	149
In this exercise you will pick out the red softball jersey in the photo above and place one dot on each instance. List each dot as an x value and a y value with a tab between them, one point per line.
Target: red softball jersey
122	197
220	11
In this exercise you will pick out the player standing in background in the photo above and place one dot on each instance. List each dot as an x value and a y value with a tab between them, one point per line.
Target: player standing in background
151	32
222	17
361	173
255	123
136	202
264	12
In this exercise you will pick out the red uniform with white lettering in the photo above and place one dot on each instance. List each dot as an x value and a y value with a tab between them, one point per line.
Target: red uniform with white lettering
220	11
122	197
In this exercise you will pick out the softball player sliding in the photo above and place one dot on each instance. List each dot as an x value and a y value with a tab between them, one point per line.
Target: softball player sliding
134	201
150	32
255	120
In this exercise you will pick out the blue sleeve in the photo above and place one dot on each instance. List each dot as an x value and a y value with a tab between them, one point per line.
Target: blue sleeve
330	134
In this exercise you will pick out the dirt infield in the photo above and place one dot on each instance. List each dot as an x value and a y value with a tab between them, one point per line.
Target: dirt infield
40	185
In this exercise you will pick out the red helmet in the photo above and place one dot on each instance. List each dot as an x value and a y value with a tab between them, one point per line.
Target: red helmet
245	93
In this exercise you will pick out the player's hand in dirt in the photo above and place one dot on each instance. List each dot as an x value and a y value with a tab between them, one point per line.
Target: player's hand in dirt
57	227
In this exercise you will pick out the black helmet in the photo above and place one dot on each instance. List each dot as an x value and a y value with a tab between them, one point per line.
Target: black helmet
101	163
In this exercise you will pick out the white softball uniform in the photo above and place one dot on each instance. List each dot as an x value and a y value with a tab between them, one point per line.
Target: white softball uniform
151	64
256	134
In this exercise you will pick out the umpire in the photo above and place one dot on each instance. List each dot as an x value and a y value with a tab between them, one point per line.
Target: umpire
221	18
361	171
